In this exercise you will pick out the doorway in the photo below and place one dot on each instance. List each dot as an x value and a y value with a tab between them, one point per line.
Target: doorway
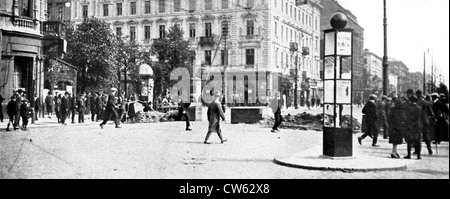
23	75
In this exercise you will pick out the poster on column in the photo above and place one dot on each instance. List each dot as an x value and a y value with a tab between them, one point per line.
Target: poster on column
344	43
344	92
329	91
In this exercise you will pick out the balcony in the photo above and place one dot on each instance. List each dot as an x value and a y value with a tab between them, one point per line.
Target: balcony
293	47
54	29
250	38
24	22
305	51
206	41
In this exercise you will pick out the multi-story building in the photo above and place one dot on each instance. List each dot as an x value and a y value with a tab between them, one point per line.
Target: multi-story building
373	64
330	7
21	47
260	37
399	69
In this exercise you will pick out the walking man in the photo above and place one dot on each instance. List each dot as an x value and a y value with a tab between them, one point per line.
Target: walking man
111	109
428	120
371	120
214	114
37	106
73	107
183	111
414	127
275	104
49	104
11	110
81	102
65	103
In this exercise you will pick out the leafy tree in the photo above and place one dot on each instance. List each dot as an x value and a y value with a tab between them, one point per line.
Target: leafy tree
130	55
172	52
92	47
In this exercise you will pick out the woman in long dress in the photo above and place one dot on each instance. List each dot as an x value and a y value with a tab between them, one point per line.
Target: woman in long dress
214	114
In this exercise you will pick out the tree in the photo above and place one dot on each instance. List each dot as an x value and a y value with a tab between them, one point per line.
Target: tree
172	52
92	48
130	55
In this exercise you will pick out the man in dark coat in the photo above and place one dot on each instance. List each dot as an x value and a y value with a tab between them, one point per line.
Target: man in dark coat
49	104
440	110
99	106
276	104
214	114
65	105
25	113
1	108
371	120
94	106
19	102
396	118
37	106
73	107
81	106
184	111
111	109
11	110
414	127
382	118
428	120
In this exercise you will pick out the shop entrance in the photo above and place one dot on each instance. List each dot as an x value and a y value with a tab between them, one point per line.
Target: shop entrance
23	75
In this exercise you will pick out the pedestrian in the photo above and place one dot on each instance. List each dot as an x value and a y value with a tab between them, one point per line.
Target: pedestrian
81	107
184	111
111	109
37	106
73	107
49	104
276	104
121	103
214	114
428	120
19	101
1	108
65	105
382	120
307	104
94	110
25	113
58	106
396	117
414	127
11	110
371	120
88	103
441	110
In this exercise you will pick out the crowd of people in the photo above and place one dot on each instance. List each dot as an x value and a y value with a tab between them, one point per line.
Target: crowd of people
412	119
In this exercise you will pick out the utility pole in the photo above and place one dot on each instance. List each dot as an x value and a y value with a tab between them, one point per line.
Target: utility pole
385	57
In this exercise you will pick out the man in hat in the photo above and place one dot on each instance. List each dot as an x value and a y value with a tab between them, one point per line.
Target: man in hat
19	99
214	114
11	110
409	93
428	119
371	120
382	119
184	111
275	104
65	105
111	109
440	112
81	105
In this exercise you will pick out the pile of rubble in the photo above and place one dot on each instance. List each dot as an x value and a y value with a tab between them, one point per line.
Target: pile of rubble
306	121
154	116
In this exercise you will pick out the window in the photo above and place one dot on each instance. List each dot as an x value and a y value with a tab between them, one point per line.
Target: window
250	56
207	57
276	29
132	33
162	31
146	32
49	10
250	3
192	5
133	7
25	8
118	31
162	6
224	4
192	30
60	13
276	57
224	57
147	7
282	32
105	10
250	27
208	29
177	5
208	4
290	14
119	9
85	11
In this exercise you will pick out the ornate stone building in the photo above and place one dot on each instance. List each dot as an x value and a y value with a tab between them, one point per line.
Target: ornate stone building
259	38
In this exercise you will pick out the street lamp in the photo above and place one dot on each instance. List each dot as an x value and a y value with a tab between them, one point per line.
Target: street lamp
385	57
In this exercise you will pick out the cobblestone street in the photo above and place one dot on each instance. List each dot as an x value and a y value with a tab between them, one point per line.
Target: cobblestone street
165	150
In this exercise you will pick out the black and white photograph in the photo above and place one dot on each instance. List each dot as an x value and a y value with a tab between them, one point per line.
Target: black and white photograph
224	89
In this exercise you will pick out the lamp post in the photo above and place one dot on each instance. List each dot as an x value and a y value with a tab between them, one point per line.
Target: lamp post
385	57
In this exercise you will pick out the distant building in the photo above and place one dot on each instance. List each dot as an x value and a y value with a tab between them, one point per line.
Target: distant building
261	34
399	69
373	64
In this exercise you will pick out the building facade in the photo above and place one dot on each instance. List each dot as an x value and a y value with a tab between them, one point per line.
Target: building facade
373	64
260	36
21	47
331	7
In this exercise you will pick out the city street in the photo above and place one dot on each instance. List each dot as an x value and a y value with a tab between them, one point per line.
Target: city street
165	150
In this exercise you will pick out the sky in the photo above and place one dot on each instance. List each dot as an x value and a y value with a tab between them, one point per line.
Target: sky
414	26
